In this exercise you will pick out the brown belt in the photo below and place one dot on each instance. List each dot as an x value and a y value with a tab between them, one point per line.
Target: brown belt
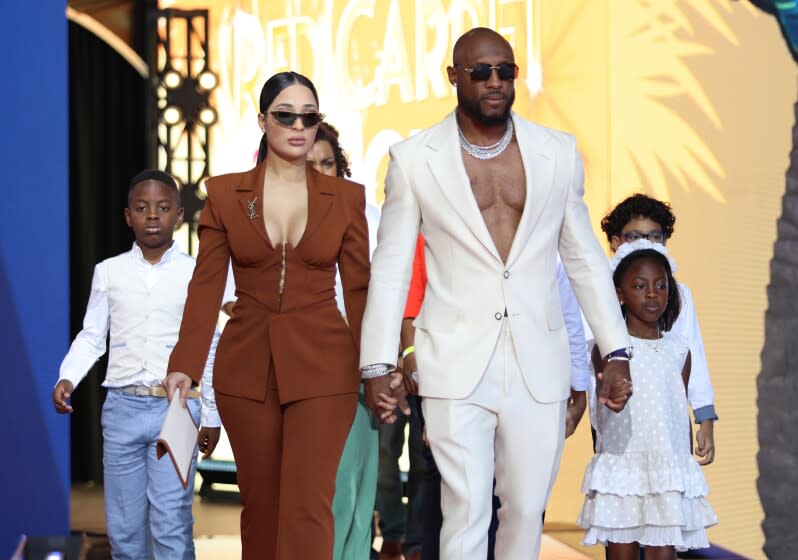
157	391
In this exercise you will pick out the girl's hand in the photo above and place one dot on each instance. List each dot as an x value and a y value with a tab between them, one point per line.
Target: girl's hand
576	408
207	440
705	442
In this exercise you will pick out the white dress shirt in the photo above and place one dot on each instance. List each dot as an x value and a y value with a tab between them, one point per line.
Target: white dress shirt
572	316
141	305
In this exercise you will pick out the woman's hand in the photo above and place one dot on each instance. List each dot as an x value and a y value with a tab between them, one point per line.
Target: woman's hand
384	394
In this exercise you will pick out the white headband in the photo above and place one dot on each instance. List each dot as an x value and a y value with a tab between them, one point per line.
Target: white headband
628	248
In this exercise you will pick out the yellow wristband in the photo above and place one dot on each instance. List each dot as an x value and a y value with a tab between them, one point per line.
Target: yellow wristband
407	351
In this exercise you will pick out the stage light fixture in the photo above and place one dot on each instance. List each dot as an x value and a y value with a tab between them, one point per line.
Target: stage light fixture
207	80
172	115
172	79
207	116
180	106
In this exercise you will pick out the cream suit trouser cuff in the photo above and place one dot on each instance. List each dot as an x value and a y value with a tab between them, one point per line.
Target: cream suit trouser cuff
499	429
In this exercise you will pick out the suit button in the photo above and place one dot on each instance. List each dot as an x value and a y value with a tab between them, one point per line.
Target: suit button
498	316
506	273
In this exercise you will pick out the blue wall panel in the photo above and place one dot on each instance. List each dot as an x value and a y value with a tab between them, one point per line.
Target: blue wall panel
34	273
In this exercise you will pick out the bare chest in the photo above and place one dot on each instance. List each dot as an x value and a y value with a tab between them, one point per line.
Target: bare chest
499	183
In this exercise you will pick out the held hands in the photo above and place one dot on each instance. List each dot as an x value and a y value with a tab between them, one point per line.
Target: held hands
576	409
614	385
384	394
177	381
61	394
207	440
705	442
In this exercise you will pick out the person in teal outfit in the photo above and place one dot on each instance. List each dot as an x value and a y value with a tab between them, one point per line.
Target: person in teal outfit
356	481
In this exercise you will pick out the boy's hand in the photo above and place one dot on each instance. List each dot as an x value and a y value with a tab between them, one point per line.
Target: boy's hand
177	381
207	439
576	408
705	442
61	394
229	308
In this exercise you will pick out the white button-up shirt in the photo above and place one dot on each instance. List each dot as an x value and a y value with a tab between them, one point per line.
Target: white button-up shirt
141	305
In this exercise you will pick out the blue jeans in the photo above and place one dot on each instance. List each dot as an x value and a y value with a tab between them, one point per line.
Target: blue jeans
396	524
146	508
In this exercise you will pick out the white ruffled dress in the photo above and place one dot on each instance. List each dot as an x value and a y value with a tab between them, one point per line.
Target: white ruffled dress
643	483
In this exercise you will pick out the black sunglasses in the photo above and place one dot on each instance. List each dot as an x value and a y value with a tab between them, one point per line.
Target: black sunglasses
288	118
481	71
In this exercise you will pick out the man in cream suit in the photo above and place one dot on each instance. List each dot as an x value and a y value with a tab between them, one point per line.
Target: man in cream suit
496	198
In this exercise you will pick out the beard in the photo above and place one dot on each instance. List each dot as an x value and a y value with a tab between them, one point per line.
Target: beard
474	110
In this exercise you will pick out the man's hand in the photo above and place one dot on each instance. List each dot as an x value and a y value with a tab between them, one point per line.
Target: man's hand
576	408
705	441
177	381
384	394
207	440
615	385
61	393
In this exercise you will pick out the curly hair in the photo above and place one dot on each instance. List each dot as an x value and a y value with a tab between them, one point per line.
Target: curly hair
674	304
637	206
329	133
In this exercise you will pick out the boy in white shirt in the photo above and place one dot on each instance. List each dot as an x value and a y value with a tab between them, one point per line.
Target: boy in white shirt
139	295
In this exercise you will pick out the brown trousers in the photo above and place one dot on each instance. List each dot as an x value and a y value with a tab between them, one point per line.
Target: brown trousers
287	458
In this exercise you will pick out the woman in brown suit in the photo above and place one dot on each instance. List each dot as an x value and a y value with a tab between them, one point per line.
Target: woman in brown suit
286	373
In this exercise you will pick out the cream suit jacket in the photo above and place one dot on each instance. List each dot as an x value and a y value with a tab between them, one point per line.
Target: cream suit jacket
469	287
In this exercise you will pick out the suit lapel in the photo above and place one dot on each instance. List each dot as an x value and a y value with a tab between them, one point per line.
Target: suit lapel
446	164
250	194
537	155
321	195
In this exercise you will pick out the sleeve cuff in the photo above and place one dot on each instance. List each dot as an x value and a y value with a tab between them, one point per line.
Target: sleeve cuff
210	417
705	413
578	386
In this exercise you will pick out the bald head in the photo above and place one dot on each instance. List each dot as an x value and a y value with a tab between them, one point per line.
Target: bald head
473	38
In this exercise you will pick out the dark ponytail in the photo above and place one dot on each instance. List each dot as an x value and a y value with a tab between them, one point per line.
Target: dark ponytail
271	89
263	148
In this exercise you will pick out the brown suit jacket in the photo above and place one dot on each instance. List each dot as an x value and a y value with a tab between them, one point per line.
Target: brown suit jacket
315	352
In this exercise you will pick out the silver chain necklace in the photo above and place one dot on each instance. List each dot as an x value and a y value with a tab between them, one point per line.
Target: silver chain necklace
487	152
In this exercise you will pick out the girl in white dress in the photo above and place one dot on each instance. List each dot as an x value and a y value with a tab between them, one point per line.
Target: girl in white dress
643	487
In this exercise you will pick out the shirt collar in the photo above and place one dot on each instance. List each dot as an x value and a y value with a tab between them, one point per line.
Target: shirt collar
166	258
